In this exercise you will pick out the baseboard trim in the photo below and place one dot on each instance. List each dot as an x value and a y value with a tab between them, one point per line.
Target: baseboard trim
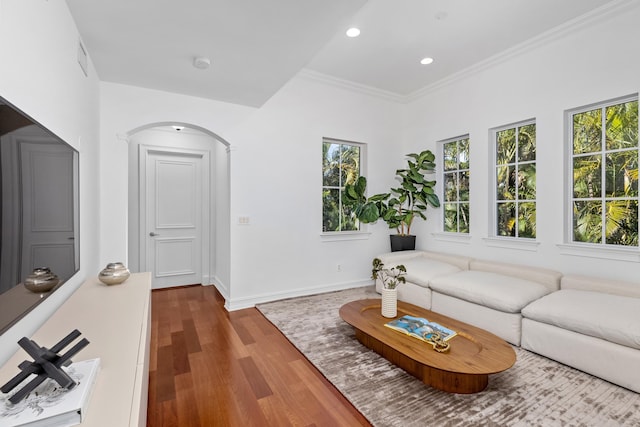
220	286
252	301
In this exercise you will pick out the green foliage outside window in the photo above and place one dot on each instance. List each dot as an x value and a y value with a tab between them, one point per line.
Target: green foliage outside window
456	185
605	175
516	181
340	166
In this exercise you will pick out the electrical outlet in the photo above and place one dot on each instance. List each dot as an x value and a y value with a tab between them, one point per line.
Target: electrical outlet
339	267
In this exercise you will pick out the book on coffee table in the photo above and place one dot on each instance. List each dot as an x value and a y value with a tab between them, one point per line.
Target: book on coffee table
421	328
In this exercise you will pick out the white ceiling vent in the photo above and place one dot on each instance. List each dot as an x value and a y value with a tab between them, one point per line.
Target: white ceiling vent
82	58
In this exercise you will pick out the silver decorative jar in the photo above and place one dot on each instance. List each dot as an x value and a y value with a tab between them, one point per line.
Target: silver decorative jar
41	280
114	273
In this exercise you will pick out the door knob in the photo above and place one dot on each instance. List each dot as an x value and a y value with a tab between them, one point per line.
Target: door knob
152	234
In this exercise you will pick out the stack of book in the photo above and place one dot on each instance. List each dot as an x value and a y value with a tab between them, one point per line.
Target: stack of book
50	405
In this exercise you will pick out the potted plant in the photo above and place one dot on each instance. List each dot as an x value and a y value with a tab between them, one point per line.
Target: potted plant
399	207
390	278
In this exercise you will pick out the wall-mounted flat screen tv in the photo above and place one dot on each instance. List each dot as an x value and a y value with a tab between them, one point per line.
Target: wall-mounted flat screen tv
39	212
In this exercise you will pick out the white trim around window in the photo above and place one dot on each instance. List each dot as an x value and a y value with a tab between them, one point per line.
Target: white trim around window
334	182
572	192
519	165
454	186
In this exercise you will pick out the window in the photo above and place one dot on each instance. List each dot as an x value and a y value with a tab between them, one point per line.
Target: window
604	173
341	165
455	158
515	180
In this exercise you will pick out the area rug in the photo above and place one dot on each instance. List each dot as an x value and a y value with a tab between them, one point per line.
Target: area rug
536	391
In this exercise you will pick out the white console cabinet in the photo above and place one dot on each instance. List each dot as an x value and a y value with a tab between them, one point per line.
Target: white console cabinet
116	321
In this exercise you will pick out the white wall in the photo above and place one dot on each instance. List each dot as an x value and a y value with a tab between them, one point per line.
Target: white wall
276	179
40	75
221	204
124	109
275	176
592	62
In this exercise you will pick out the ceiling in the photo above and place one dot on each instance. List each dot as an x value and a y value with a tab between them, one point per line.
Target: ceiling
256	46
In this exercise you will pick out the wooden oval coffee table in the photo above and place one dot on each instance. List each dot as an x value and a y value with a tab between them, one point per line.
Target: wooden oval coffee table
474	354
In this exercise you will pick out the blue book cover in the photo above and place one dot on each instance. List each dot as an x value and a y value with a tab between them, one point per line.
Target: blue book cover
420	328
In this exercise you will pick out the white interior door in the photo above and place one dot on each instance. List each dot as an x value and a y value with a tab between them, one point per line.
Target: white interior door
47	210
173	206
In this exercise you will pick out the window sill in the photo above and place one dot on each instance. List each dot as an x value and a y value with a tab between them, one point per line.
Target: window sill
512	243
452	237
586	250
340	236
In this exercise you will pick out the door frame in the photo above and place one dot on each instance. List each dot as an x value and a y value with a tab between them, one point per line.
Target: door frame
144	150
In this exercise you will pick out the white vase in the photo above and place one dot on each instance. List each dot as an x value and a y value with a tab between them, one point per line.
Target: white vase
389	302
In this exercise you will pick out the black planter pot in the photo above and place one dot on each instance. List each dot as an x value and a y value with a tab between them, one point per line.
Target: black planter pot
402	243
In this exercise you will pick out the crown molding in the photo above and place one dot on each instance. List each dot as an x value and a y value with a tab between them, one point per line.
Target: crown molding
606	11
350	85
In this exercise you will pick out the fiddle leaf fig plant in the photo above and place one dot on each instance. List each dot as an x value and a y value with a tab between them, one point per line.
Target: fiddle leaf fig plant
367	210
390	277
399	207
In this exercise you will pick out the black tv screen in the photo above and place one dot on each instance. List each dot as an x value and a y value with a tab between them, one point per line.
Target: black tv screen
39	214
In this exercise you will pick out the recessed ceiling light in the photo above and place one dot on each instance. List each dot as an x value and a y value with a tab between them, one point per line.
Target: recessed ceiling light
426	61
353	32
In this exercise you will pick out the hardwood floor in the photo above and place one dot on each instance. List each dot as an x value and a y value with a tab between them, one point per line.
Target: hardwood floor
209	367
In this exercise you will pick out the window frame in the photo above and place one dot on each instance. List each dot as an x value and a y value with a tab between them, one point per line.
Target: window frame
362	229
456	171
493	217
596	249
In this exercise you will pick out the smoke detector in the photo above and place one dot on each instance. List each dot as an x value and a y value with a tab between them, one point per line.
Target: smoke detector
201	62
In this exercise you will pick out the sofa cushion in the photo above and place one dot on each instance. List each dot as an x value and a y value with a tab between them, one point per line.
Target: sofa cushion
420	270
503	293
613	318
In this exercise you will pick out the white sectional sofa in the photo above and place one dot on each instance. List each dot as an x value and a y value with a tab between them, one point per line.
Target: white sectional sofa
491	295
592	324
422	266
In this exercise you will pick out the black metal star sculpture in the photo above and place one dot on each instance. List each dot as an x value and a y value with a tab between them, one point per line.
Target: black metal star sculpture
47	363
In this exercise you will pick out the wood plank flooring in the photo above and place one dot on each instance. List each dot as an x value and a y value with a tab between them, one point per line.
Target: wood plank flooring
209	367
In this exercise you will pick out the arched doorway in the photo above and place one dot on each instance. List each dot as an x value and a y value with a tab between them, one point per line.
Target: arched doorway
180	149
